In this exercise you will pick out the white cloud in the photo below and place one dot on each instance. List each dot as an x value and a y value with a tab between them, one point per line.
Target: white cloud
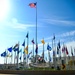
71	33
60	22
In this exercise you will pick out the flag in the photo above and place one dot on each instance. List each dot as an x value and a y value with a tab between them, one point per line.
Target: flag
58	47
33	41
27	35
66	50
36	50
16	45
10	49
54	37
49	48
4	54
20	58
16	49
57	50
29	54
71	51
23	43
26	50
43	41
63	49
32	5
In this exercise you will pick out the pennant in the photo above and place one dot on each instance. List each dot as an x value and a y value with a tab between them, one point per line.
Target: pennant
26	50
43	41
32	5
10	49
49	48
66	50
23	43
4	54
36	50
27	35
54	37
16	45
33	41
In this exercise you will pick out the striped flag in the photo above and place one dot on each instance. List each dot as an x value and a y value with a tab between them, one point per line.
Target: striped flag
32	5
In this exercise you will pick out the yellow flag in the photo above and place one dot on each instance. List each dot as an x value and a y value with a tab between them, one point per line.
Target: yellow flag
43	41
9	55
26	50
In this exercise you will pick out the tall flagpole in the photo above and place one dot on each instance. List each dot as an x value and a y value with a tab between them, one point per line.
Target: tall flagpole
36	30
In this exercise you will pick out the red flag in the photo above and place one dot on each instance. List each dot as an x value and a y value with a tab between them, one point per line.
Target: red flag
66	51
32	5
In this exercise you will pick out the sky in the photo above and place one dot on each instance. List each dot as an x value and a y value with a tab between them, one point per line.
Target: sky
53	17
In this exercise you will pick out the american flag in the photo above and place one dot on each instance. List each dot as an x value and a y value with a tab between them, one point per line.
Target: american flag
32	5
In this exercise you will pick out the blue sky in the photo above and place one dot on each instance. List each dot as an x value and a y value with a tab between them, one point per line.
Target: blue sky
53	17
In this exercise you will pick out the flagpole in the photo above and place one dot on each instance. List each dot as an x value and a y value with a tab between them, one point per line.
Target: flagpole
36	30
27	45
14	58
49	57
18	56
11	56
24	55
54	50
43	51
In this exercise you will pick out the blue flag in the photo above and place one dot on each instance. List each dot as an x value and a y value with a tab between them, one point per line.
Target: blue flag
4	54
49	48
23	43
10	49
20	57
27	35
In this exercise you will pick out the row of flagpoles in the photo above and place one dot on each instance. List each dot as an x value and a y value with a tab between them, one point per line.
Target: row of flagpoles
17	50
